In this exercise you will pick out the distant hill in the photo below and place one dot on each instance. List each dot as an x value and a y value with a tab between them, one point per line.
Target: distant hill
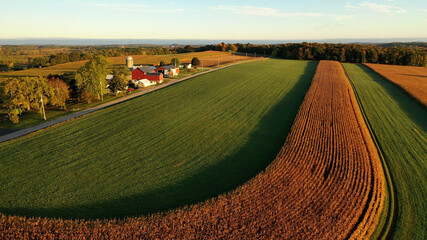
81	41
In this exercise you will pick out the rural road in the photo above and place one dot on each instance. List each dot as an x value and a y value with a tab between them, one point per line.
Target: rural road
32	129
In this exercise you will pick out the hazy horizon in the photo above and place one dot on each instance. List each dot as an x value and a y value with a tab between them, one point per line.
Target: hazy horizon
94	41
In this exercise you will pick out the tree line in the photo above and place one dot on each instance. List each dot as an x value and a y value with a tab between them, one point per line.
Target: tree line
414	54
353	53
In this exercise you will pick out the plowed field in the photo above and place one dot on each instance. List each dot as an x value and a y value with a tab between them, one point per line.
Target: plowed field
412	79
326	183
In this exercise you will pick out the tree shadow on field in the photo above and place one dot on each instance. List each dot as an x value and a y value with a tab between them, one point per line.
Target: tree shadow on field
234	170
411	106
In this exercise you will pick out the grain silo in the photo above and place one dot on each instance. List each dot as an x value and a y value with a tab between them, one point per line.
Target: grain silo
129	62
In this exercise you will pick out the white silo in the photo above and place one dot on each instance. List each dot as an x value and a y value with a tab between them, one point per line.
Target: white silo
129	62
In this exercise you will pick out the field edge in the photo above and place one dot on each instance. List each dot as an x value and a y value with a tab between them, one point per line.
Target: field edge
384	228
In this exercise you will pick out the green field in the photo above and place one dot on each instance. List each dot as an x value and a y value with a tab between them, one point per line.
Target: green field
400	125
176	146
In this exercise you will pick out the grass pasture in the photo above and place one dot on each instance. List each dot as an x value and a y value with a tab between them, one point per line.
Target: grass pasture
169	148
399	123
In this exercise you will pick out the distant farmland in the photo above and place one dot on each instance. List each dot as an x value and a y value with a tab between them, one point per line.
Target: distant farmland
173	147
211	57
400	124
411	79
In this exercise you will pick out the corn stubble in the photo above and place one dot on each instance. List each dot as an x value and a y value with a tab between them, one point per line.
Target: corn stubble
326	183
411	79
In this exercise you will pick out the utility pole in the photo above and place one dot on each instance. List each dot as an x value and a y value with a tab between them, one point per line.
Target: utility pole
41	99
255	54
102	96
246	56
218	62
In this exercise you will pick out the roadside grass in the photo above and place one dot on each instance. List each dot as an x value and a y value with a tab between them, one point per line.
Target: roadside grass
170	148
399	123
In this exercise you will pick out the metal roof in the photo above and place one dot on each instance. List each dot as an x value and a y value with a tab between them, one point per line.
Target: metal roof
154	74
146	69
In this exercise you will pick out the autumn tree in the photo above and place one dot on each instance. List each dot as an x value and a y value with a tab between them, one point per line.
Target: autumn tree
91	76
25	93
231	47
120	79
59	92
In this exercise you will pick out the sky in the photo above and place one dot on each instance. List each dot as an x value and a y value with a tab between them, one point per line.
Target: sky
230	19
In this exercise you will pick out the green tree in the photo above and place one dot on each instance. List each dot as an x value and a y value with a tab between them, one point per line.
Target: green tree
372	55
175	62
162	63
195	62
120	79
74	56
91	76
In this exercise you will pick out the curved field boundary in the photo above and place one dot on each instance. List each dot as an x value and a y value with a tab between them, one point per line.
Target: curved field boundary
388	219
52	123
326	183
412	80
399	125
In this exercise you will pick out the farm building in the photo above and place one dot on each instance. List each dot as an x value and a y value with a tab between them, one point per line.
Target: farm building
146	72
144	83
186	65
109	77
168	71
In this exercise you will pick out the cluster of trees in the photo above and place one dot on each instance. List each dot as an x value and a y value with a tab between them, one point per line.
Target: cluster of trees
26	93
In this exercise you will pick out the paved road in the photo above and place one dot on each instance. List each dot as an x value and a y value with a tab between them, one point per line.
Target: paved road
26	131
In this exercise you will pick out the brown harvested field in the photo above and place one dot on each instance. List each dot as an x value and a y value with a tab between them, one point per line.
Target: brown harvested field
221	59
208	56
326	183
412	79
